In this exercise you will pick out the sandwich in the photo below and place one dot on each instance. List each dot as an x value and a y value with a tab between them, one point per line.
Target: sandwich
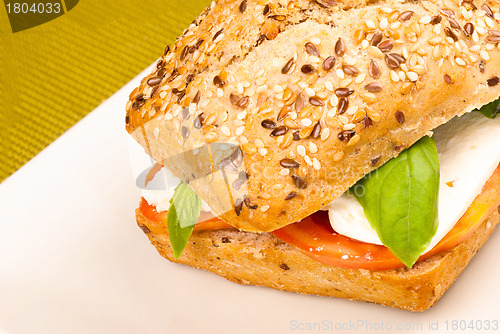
345	149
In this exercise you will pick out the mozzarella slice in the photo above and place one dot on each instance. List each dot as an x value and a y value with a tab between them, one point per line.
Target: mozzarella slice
469	153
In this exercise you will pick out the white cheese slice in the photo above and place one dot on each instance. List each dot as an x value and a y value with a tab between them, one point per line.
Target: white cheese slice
469	153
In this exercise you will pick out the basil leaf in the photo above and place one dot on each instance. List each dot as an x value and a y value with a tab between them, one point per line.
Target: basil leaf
187	204
182	215
400	200
491	110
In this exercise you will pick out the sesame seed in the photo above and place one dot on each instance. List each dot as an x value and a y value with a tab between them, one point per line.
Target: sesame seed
360	78
395	25
262	151
309	92
448	79
334	100
306	122
264	208
343	119
308	160
278	89
316	164
329	86
425	19
261	81
402	75
412	76
484	55
288	197
368	97
303	84
301	150
249	147
340	73
349	61
313	148
345	83
384	23
220	92
394	76
241	115
325	133
239	131
239	88
349	126
284	172
480	30
460	61
225	131
370	24
316	40
352	110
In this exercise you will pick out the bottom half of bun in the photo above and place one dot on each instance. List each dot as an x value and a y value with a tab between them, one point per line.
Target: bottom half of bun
264	260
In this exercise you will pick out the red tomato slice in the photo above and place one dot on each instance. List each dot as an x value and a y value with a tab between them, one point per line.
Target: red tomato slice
315	237
207	221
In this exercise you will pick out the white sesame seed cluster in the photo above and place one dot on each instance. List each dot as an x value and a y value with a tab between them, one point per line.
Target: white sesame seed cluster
314	94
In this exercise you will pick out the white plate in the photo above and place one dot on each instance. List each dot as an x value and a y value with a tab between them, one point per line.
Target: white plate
72	260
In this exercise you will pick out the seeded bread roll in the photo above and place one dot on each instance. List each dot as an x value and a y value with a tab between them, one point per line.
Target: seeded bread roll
262	259
309	95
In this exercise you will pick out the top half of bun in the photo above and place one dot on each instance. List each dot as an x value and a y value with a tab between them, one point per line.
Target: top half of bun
309	96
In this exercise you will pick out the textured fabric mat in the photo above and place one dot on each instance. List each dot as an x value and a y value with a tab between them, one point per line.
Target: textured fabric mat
55	73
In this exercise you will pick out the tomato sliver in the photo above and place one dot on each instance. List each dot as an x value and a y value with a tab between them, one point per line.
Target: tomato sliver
207	220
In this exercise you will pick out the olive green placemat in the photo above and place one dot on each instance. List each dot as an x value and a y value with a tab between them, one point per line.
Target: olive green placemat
55	73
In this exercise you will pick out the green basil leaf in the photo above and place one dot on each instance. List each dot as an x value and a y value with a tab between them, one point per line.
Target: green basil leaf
182	215
400	200
491	110
187	204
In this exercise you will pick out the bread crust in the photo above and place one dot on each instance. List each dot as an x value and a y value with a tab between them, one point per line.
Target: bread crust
223	68
264	260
